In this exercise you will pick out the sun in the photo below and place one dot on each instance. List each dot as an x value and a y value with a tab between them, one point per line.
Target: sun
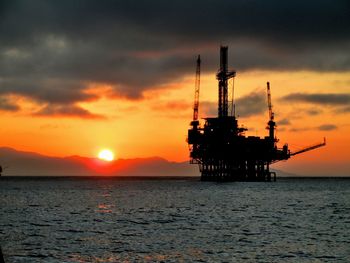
106	155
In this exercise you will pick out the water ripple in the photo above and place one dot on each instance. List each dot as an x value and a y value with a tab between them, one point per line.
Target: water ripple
292	220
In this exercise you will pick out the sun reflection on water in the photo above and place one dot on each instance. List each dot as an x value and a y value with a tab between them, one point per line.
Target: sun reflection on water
104	208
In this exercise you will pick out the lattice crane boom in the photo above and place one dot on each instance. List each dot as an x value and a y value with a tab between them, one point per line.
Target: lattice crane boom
312	147
197	88
271	115
271	125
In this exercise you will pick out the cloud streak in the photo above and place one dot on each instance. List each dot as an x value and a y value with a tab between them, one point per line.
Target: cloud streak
8	105
323	127
333	99
327	127
249	105
284	122
338	101
67	111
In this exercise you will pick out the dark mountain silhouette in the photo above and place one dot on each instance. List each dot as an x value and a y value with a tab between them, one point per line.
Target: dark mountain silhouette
30	163
33	164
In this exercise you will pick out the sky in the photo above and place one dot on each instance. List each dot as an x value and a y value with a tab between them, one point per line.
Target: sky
80	76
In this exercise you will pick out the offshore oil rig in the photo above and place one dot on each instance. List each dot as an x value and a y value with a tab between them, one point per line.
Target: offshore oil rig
220	147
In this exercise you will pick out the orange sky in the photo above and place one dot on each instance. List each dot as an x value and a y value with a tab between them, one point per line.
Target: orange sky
156	125
79	77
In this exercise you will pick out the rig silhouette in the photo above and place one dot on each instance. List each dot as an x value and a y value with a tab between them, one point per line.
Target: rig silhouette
220	147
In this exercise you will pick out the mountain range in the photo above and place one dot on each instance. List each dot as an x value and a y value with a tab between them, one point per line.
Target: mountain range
22	163
33	164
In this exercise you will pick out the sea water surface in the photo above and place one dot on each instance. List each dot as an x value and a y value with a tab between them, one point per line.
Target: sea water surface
178	220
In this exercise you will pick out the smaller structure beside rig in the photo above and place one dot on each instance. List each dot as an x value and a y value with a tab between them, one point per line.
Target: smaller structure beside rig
220	147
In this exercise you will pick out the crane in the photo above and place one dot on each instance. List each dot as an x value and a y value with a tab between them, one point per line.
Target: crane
271	115
271	125
197	87
193	135
309	148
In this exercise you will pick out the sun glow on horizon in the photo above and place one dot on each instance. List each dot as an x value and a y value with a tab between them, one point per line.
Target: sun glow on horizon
106	155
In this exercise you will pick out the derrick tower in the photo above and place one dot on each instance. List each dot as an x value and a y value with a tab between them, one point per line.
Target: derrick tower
223	76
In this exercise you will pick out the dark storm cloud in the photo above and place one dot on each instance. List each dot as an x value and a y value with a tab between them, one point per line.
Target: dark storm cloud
58	91
50	50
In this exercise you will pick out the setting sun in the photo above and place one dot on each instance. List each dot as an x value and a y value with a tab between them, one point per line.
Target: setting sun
106	155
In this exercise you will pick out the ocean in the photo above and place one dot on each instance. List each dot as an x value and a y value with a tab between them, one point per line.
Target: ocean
174	220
